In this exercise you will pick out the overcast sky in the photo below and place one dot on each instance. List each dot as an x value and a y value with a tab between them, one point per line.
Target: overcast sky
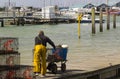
40	3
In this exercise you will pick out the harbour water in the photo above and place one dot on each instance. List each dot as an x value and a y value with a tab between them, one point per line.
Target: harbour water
91	51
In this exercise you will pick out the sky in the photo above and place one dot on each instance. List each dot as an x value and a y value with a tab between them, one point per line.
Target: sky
42	3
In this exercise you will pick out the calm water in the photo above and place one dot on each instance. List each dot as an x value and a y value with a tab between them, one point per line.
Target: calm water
100	45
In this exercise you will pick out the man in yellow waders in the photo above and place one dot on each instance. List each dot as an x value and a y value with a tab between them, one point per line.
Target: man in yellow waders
39	61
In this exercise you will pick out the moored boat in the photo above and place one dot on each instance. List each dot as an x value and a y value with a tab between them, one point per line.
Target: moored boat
87	19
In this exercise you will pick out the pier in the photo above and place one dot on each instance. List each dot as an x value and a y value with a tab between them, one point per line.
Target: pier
35	20
111	72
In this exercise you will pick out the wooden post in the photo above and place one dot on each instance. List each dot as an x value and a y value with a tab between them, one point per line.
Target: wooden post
93	20
108	18
2	23
18	22
22	21
14	16
114	21
101	20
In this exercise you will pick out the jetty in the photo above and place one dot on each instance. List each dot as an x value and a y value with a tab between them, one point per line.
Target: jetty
110	72
35	20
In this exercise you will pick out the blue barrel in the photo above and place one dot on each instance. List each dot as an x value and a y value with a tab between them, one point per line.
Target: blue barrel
63	53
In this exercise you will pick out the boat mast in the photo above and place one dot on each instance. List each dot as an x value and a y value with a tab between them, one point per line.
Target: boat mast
9	3
107	2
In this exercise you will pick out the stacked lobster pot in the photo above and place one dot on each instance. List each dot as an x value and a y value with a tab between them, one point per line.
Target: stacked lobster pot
10	67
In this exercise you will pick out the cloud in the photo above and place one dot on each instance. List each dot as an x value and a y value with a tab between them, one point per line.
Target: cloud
39	3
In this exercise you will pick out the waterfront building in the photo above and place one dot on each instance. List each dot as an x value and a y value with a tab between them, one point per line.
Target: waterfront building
48	12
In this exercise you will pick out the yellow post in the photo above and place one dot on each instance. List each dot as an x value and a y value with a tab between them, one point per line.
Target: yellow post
79	19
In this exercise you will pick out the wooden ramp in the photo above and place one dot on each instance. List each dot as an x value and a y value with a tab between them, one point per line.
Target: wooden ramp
111	72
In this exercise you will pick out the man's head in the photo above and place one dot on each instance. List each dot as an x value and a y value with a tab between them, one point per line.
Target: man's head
41	32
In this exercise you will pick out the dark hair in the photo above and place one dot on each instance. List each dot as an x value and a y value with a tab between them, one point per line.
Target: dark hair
41	33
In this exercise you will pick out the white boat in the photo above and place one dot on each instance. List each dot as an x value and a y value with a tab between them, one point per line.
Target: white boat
87	19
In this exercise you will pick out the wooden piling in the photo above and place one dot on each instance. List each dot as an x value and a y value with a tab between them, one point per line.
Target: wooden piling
93	20
114	21
14	16
22	21
2	23
108	18
101	20
18	22
14	21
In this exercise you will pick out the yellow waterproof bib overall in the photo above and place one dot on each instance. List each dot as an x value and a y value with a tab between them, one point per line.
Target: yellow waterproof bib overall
39	61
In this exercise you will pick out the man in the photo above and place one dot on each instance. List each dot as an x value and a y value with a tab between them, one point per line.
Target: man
39	61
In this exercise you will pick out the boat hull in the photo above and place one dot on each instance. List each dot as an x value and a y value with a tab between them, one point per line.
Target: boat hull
90	21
